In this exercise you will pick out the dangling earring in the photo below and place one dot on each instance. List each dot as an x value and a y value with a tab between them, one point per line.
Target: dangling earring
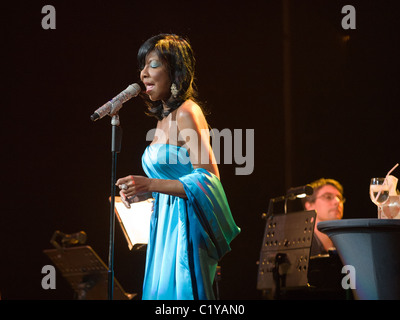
174	90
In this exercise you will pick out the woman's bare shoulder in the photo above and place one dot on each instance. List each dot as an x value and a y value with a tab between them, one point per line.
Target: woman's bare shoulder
190	114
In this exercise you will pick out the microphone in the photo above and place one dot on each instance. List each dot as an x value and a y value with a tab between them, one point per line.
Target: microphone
299	192
113	106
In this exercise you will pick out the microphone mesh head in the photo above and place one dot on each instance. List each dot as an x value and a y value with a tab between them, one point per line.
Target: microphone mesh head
134	89
309	190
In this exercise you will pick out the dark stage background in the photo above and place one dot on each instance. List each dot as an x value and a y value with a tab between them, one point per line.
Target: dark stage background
343	117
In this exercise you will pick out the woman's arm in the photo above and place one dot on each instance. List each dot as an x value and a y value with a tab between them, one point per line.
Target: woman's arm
193	130
139	185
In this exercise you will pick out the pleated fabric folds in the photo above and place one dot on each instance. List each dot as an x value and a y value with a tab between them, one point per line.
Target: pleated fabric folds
187	236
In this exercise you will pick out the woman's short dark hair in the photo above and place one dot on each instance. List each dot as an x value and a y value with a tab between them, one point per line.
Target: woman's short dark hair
178	56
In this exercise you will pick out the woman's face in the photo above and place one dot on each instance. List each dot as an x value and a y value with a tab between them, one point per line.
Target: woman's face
155	78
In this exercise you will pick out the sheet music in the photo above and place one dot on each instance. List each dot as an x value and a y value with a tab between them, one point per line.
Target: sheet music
135	222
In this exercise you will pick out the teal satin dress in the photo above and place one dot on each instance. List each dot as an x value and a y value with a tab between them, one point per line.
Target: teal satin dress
187	236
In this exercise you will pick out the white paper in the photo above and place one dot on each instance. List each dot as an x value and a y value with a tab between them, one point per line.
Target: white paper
135	221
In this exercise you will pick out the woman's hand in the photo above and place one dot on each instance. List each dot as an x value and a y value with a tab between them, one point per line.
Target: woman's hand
132	187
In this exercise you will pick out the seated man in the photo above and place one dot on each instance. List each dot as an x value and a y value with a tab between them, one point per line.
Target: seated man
327	200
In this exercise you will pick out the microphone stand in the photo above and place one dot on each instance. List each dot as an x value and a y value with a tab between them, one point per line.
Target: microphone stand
116	138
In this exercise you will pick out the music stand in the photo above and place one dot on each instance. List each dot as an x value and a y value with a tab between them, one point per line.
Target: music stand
285	251
86	273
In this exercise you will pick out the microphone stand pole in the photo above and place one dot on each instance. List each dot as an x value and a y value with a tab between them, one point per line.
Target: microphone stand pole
116	137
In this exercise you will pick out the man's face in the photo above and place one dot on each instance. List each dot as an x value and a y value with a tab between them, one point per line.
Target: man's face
328	204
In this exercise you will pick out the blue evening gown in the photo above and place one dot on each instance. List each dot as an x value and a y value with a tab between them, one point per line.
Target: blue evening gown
187	236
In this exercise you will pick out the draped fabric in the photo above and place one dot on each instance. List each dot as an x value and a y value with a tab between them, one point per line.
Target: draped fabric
187	236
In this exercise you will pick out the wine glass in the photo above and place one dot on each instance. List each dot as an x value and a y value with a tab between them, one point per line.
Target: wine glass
379	192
